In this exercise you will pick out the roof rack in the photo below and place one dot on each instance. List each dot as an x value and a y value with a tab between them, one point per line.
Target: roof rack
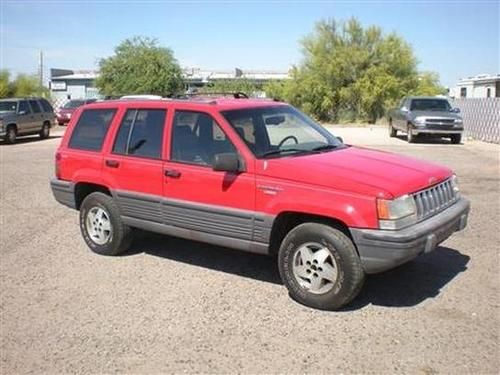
235	95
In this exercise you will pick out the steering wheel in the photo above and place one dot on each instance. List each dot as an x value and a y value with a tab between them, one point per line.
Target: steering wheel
286	139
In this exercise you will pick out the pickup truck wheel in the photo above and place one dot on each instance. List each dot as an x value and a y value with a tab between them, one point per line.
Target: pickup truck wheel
410	137
320	267
456	138
392	132
45	131
11	136
101	225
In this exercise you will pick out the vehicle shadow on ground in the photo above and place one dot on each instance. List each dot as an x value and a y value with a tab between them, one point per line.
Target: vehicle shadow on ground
405	286
254	266
425	140
413	282
29	139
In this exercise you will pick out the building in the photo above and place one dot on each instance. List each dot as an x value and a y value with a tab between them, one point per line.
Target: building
68	84
480	86
196	78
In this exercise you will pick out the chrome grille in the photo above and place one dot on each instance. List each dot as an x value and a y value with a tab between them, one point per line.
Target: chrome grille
440	121
434	199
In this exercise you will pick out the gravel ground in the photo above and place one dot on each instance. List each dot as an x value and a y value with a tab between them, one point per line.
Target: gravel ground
178	306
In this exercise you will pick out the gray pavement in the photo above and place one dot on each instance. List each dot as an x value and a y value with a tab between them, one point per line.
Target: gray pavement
178	306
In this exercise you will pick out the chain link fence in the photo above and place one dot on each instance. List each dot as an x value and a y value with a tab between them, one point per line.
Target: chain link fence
481	118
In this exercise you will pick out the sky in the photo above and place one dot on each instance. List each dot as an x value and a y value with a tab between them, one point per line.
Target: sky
456	39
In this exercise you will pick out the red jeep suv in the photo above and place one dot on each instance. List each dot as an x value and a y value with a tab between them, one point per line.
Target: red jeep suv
253	175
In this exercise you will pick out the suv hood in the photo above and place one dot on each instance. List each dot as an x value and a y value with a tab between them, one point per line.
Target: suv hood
360	170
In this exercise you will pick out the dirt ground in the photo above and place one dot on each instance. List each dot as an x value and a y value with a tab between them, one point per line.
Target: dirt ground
178	306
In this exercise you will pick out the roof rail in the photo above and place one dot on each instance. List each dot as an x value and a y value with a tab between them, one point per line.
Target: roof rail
235	95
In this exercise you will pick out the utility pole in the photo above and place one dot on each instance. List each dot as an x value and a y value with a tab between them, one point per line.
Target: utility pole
40	68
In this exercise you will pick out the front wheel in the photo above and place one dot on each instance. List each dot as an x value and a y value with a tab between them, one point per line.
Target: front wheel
456	138
11	136
410	137
102	227
320	267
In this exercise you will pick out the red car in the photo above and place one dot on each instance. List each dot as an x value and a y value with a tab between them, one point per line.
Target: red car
253	175
64	113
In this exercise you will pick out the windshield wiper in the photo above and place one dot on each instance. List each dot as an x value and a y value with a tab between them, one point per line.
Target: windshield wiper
325	147
283	151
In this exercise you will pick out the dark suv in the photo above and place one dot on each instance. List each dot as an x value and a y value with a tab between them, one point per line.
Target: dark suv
25	116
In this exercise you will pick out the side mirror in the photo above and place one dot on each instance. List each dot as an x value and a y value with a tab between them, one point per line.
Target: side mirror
455	110
227	162
22	112
404	109
340	139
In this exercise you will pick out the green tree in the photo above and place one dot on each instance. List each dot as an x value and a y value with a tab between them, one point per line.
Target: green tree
428	84
28	85
140	66
232	85
349	72
5	87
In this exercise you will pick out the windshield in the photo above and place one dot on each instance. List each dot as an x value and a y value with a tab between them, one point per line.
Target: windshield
430	105
74	104
280	131
8	106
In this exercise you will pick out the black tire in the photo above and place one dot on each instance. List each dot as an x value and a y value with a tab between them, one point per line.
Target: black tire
45	131
349	277
456	139
11	135
120	236
409	136
392	132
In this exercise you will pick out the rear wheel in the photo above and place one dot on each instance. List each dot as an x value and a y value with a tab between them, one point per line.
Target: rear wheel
320	267
456	138
11	134
392	132
45	132
102	227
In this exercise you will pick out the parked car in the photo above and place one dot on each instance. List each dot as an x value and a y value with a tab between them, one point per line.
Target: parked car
65	112
258	176
25	116
430	116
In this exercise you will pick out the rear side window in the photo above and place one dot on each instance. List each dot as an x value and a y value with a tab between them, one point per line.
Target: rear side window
46	106
141	133
91	129
35	106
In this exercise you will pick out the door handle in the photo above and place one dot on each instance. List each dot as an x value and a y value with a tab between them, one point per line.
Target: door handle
112	163
172	173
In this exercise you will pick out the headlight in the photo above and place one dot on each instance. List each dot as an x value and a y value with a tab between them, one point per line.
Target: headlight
419	120
396	213
454	185
459	121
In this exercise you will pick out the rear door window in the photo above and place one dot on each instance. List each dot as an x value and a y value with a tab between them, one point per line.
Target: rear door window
91	129
141	133
35	106
46	106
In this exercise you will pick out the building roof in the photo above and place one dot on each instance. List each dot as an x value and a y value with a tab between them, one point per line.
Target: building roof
189	74
480	78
